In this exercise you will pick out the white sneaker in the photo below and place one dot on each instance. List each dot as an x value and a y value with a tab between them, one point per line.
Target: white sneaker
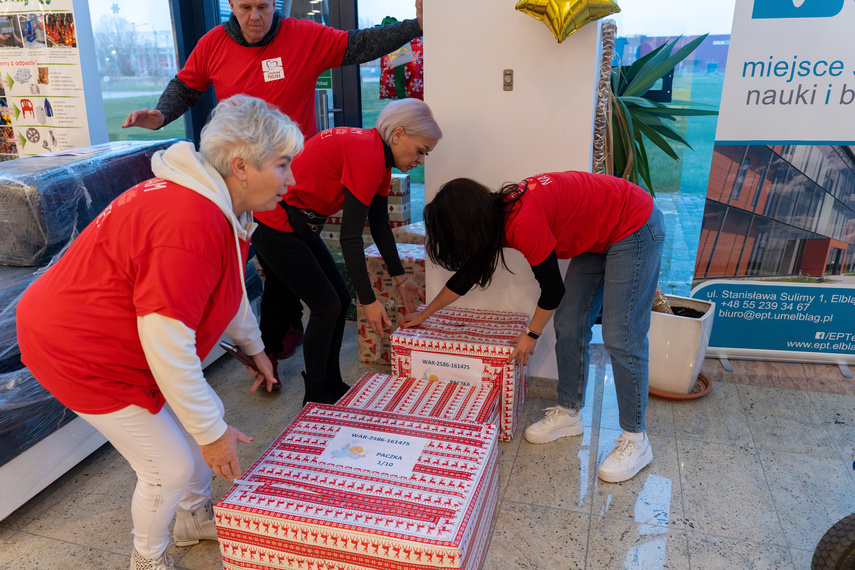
558	422
626	459
193	526
164	562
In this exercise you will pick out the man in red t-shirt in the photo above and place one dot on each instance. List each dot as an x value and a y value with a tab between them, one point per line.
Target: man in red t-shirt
260	53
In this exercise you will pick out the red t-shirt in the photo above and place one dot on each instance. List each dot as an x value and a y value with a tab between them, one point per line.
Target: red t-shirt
573	213
157	248
283	72
338	158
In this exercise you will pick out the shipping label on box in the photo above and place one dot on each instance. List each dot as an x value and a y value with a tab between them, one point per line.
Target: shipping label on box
324	497
428	398
372	348
482	338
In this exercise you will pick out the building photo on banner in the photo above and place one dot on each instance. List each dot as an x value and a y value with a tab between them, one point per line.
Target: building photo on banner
777	245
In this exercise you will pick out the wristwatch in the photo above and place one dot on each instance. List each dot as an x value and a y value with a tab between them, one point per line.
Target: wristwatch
532	334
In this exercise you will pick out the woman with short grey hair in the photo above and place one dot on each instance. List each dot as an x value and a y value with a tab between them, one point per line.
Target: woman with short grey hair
118	328
347	169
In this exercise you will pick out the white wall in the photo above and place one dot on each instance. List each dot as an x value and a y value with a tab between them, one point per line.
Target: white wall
496	136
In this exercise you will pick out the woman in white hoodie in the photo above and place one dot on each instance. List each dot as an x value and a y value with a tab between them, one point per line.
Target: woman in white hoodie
116	330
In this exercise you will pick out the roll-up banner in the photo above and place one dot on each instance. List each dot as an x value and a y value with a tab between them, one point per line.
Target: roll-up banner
777	244
42	103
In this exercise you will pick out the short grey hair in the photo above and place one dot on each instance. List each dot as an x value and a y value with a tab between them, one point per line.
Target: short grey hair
250	128
413	115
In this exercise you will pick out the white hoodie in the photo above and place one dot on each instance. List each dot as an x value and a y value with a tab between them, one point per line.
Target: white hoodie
169	345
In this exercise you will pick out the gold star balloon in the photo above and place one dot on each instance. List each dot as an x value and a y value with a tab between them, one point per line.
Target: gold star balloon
563	17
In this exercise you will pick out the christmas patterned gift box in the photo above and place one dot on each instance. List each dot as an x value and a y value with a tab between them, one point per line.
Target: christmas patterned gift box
425	398
372	348
350	489
467	345
413	233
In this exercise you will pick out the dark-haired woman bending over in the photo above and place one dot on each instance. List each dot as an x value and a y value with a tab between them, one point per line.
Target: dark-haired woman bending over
613	234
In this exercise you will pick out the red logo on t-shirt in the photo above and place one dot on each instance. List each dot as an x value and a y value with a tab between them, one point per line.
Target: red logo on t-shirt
272	69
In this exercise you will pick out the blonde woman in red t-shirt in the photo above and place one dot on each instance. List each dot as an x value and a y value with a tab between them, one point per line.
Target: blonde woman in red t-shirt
613	235
117	329
346	169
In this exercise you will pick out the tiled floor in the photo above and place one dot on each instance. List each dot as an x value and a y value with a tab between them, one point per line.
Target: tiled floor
749	476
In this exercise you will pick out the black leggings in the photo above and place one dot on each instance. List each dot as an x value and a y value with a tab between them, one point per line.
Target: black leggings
308	269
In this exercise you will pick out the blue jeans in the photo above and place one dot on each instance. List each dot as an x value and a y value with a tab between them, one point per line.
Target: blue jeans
625	276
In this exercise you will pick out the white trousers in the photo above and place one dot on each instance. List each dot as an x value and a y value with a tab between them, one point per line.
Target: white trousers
169	466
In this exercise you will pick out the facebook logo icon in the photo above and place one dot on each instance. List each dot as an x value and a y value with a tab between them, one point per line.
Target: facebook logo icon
764	9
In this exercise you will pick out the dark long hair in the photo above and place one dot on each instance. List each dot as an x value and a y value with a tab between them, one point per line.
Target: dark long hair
465	226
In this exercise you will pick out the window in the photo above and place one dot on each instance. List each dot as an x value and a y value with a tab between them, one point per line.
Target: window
135	48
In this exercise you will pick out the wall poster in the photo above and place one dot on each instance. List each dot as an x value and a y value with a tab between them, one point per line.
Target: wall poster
42	105
777	245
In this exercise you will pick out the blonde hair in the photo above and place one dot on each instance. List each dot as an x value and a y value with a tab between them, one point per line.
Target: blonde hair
413	115
250	128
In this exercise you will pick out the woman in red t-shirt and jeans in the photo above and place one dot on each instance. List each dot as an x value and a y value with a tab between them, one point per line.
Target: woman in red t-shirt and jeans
347	169
613	235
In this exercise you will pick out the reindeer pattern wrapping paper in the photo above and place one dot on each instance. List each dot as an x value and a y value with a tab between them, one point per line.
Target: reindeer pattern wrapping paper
484	337
420	397
296	511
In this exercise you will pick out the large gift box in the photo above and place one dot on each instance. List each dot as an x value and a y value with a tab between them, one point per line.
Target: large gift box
468	346
426	398
371	347
350	489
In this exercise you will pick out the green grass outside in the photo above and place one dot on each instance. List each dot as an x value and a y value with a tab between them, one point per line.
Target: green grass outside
116	110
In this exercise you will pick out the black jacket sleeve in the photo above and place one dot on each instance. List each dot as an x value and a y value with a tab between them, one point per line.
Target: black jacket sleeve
176	100
370	43
548	275
353	219
459	285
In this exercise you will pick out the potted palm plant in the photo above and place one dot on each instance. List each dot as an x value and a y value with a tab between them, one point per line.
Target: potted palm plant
680	326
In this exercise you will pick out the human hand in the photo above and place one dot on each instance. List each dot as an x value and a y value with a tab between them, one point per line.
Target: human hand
419	14
411	294
221	455
145	118
523	348
411	320
375	314
263	373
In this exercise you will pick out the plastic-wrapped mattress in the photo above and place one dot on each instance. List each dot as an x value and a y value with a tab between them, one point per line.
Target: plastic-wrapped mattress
45	198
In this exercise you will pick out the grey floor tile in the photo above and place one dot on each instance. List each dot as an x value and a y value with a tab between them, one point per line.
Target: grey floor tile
508	451
725	492
810	494
617	545
709	552
537	538
651	497
801	558
717	417
203	556
783	420
95	514
837	414
555	474
28	551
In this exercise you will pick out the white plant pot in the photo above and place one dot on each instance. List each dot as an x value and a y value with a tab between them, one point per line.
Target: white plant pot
678	345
